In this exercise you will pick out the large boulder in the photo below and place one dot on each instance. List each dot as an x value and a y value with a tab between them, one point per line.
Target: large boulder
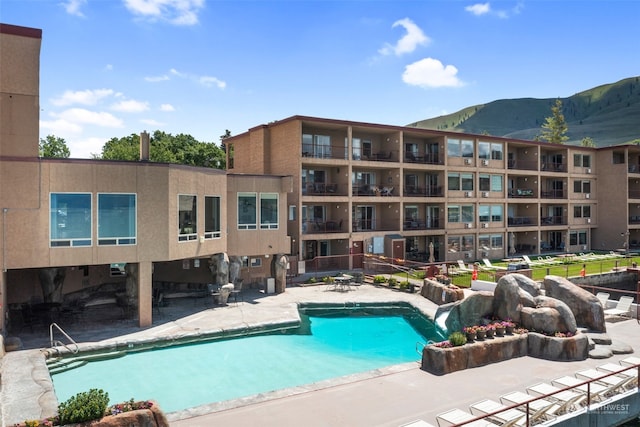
440	293
512	293
586	307
561	349
470	311
548	316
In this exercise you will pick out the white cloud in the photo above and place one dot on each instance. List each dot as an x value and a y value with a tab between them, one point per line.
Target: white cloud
84	148
479	9
72	7
407	43
59	127
82	97
177	12
108	67
130	106
431	73
156	79
167	107
81	115
212	81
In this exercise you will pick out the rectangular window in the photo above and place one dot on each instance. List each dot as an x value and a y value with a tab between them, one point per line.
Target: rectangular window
247	211
268	211
582	211
496	213
453	213
497	150
256	262
580	186
453	148
578	238
70	219
212	226
453	181
187	220
484	182
116	219
292	212
466	147
484	213
497	241
582	160
484	150
466	213
496	183
466	181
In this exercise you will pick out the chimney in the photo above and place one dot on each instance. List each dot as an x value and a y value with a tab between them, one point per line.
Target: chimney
144	146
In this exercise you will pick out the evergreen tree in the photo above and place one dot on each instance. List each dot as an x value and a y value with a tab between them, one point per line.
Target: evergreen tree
554	128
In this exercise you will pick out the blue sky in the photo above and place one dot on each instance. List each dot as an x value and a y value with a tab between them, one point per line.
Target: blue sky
110	68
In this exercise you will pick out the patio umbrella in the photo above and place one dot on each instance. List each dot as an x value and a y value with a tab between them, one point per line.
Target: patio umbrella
512	244
431	258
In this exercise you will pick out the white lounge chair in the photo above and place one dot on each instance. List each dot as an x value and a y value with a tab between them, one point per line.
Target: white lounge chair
622	308
630	361
417	423
531	262
597	392
617	382
457	416
567	400
463	267
540	409
505	417
490	266
603	297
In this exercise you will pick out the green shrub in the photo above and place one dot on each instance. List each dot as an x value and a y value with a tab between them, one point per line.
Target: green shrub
82	407
393	281
404	284
312	280
328	280
457	339
379	279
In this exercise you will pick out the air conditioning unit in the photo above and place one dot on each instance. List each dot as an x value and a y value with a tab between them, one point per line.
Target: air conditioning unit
588	170
468	225
587	195
467	161
467	255
584	247
485	225
485	194
485	162
468	194
588	220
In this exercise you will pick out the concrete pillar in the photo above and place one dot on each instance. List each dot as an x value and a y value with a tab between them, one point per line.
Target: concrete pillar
145	303
144	146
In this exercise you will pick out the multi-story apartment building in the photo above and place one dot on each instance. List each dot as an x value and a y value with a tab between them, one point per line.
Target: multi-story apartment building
80	219
358	185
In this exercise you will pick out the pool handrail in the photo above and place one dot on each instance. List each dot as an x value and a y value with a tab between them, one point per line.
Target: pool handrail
56	343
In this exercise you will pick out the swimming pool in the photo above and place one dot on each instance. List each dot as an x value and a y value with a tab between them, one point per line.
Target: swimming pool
330	342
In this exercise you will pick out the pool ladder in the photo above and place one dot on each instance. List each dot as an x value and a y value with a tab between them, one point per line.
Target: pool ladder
422	346
57	343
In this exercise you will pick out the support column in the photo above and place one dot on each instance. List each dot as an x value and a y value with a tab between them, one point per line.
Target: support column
145	284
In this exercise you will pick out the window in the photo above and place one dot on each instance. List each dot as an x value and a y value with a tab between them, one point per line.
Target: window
582	160
460	181
316	145
292	212
488	182
580	186
460	213
490	213
583	211
453	148
256	262
490	150
247	214
460	243
70	216
212	217
496	183
497	150
268	211
617	158
578	237
187	221
361	148
116	219
490	241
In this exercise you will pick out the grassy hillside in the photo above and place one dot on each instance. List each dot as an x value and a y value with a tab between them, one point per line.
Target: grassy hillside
608	114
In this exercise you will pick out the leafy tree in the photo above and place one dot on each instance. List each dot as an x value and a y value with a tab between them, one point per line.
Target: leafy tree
554	128
587	141
53	147
165	148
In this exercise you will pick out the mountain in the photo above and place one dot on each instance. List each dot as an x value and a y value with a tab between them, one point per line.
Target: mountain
608	114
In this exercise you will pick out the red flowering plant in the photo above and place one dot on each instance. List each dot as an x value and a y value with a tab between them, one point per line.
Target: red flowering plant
443	344
470	329
131	405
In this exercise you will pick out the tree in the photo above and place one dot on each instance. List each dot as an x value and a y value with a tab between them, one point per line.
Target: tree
227	134
554	128
53	147
587	141
165	148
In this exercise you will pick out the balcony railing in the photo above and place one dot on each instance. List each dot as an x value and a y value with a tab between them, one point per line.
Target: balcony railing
429	191
634	194
324	189
420	224
522	193
553	167
553	220
374	190
430	159
528	165
521	221
324	226
324	152
553	194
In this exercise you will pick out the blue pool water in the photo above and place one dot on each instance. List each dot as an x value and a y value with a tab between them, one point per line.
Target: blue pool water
191	375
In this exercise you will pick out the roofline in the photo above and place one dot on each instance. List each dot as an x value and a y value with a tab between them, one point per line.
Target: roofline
17	30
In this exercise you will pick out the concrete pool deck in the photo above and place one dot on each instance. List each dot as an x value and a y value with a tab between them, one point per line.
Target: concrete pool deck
389	397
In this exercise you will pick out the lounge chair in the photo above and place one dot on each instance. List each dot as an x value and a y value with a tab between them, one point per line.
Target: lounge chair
603	297
237	290
490	266
463	267
622	308
630	361
619	370
540	409
567	400
457	416
597	392
417	423
617	382
505	417
531	262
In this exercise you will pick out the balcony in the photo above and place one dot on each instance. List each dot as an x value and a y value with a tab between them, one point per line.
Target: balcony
373	190
553	194
553	220
421	224
320	226
429	159
553	167
521	164
324	189
522	193
521	221
428	191
375	225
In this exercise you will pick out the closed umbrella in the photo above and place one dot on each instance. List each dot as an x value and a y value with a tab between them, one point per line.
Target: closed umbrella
431	257
512	243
